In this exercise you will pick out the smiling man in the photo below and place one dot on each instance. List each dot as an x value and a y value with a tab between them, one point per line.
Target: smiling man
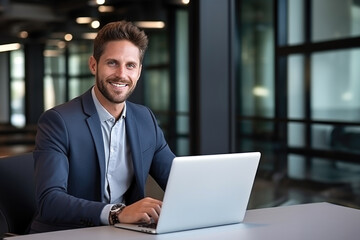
117	72
94	153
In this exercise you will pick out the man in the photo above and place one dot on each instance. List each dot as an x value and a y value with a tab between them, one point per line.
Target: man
94	153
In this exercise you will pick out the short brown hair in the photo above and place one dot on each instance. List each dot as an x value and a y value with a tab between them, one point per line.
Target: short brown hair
120	30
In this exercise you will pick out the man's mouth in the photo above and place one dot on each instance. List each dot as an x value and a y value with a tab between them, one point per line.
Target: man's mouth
119	84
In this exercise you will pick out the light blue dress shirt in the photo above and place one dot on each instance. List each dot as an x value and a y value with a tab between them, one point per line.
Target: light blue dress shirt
118	166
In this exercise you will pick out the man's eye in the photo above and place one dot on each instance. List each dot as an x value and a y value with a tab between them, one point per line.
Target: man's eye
131	65
111	63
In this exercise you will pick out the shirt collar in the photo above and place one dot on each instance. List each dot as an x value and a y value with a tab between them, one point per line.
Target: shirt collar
104	115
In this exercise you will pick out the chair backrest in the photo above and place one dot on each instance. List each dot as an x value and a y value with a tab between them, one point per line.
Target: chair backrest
17	193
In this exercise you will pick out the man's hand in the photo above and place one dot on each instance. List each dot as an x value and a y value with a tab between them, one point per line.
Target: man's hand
146	210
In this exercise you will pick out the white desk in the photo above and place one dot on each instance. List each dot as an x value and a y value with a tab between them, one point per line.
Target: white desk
308	221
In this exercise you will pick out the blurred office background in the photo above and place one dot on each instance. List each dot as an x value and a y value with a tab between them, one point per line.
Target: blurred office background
277	76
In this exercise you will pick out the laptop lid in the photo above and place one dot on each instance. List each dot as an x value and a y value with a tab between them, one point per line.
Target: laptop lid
207	190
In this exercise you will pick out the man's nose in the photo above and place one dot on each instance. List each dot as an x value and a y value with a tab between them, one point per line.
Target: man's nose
120	71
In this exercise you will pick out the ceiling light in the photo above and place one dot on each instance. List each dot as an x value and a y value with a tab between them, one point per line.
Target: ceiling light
150	24
84	20
56	43
23	34
61	44
260	91
104	9
10	47
95	24
185	1
96	2
51	53
90	36
68	37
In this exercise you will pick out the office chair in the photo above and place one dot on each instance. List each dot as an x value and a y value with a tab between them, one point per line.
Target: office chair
17	194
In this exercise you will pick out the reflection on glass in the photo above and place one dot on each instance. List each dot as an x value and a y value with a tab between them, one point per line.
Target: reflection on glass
321	136
245	127
156	75
17	64
336	137
183	145
256	83
157	53
54	78
296	166
78	64
345	138
296	22
55	64
296	86
79	86
334	19
18	102
79	53
182	83
182	124
326	170
54	91
262	129
80	78
182	71
57	73
296	135
157	94
335	85
17	88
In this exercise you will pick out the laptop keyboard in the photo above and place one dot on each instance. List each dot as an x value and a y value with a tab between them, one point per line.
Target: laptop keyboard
148	225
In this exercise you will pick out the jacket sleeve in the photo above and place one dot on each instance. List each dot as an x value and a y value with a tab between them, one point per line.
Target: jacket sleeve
55	205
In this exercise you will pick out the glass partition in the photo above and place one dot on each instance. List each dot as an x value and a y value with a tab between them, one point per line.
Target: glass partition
17	88
335	19
256	84
55	72
335	85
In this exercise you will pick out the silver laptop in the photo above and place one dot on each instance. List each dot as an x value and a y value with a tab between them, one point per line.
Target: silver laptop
204	191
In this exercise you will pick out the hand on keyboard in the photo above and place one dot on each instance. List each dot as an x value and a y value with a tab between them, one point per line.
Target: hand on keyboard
145	210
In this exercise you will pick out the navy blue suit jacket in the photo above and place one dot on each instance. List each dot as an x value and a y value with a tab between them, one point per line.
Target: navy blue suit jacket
70	162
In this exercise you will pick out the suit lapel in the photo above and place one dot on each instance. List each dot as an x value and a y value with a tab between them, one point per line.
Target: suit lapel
94	125
132	134
134	141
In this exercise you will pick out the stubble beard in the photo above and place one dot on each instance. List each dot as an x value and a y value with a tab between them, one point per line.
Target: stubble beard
101	85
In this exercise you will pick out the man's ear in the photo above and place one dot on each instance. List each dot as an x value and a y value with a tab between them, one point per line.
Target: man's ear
92	65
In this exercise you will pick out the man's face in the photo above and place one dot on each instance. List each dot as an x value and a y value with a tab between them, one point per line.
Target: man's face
117	71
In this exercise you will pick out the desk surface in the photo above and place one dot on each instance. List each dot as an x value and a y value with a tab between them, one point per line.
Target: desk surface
308	221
